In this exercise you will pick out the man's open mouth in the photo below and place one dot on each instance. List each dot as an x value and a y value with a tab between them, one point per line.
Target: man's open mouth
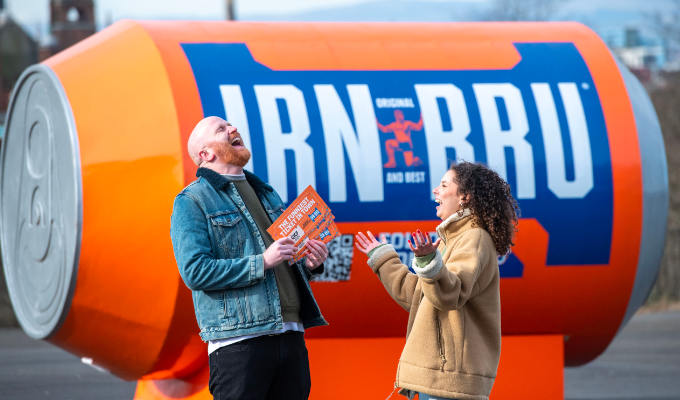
237	142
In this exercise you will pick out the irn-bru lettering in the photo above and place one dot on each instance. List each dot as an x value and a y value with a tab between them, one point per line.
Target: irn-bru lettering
537	126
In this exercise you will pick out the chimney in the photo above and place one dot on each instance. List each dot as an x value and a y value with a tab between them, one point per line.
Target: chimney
230	10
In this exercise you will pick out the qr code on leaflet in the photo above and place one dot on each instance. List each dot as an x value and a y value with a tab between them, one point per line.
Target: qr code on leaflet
339	261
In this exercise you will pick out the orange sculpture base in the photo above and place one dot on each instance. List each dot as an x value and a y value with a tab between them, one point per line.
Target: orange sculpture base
531	367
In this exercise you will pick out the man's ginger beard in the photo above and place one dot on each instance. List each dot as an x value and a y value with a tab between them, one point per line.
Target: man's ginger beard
229	155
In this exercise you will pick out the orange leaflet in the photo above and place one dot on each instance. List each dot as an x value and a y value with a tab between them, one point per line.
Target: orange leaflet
325	232
305	215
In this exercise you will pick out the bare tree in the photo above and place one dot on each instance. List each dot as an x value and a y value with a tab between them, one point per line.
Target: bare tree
522	10
666	24
666	102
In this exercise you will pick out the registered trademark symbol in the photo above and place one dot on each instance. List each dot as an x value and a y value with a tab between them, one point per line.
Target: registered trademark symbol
585	86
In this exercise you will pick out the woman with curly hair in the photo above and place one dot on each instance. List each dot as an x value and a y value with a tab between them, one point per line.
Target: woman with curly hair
453	339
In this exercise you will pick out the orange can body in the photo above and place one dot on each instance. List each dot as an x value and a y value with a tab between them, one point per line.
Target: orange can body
543	103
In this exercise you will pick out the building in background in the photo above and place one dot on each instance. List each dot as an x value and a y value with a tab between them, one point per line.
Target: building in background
70	22
18	50
645	57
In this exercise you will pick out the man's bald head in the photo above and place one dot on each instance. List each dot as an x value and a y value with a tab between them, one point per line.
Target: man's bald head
200	137
216	144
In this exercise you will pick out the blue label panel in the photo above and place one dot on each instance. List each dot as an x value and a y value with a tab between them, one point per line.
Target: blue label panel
375	143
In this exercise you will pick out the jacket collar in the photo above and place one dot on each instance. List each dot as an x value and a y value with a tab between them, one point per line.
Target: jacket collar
453	224
219	182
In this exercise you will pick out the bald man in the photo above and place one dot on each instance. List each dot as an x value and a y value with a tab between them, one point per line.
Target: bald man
251	305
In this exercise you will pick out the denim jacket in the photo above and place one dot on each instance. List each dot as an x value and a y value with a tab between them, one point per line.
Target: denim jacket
218	249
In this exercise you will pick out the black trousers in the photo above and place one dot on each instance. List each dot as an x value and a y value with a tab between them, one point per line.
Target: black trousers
263	368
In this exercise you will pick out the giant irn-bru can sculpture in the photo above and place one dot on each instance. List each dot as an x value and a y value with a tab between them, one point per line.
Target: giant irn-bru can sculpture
370	115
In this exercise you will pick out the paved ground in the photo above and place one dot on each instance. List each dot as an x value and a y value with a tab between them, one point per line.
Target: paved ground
32	369
643	363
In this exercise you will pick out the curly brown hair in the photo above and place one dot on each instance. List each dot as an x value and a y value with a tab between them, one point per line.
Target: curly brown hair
489	199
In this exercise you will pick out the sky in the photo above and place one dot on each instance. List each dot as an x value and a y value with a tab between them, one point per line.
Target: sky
26	10
34	14
602	15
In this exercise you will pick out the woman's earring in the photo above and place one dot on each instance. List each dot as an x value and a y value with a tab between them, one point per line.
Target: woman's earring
460	209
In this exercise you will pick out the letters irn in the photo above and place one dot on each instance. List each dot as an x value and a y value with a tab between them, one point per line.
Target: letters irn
360	140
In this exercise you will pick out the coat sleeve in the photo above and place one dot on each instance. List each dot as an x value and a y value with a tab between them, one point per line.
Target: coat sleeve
399	282
197	265
449	284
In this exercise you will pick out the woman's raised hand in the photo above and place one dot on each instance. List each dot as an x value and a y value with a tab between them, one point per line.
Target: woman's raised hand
366	242
421	244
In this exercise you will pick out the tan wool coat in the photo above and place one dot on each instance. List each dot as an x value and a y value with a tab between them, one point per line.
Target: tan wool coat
453	339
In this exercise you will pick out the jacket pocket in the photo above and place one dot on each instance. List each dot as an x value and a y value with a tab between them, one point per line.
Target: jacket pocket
226	219
229	232
452	340
208	305
249	305
440	343
229	313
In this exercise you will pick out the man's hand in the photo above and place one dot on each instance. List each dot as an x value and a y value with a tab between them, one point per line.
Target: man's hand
316	253
281	250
